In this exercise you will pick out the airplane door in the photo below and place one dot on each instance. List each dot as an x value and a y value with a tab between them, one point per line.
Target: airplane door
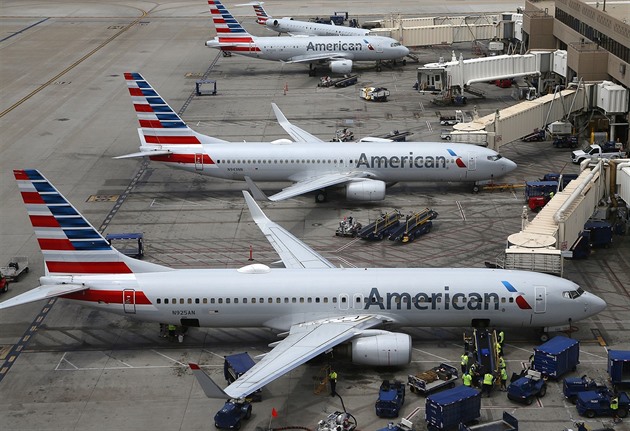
199	162
472	162
357	301
129	301
343	301
541	299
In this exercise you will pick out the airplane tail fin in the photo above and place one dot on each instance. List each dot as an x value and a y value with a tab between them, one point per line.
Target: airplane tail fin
224	22
261	14
69	243
159	123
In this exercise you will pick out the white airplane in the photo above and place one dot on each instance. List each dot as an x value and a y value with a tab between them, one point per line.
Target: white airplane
338	51
294	27
315	305
363	168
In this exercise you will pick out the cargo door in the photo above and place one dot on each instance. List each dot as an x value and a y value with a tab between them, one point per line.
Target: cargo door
540	306
129	301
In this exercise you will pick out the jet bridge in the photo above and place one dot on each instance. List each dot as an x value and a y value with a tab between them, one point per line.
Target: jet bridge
542	242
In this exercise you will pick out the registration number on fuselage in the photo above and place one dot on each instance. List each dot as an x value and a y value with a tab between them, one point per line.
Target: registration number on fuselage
183	312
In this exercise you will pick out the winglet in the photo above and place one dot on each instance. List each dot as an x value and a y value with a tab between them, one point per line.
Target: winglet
255	190
295	132
210	388
257	214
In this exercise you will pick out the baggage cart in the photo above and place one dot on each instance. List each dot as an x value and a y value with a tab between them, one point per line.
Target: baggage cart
557	356
440	377
15	267
619	367
447	409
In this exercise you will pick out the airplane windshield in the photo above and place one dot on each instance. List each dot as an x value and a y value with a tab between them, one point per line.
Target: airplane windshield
572	294
495	157
394	44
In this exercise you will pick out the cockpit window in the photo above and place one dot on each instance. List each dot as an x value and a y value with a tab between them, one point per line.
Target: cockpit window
395	44
495	157
572	294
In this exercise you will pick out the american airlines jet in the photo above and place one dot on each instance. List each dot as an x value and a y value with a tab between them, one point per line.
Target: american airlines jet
294	27
337	51
362	168
324	307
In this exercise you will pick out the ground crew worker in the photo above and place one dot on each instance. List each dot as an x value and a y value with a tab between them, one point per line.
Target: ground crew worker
498	349
504	378
474	373
171	331
332	377
501	339
467	378
614	406
488	381
501	362
464	363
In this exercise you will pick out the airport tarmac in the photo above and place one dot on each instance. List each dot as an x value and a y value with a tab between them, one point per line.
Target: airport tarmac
65	110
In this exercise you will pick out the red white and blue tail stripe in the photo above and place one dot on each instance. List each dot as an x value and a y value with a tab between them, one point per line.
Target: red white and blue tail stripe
160	125
261	14
69	243
230	33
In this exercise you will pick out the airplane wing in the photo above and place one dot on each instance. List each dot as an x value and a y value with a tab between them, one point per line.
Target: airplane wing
304	342
316	183
293	252
42	292
315	57
295	132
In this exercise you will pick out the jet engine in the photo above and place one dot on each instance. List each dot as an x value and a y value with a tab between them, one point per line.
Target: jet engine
341	66
275	23
383	349
365	190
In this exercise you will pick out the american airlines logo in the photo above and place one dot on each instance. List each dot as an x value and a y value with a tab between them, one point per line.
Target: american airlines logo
409	161
433	301
334	46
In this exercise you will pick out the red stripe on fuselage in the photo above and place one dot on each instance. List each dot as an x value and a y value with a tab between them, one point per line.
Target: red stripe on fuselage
43	221
32	198
240	48
182	158
55	244
235	40
107	296
88	267
150	139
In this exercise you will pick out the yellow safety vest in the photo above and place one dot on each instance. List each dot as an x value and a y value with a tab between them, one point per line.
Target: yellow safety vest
464	359
501	363
467	379
333	376
614	404
504	375
487	379
501	337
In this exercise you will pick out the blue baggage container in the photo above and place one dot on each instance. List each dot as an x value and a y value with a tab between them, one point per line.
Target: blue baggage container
557	356
445	410
619	366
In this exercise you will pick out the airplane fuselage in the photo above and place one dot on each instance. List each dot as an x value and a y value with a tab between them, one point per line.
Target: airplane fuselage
288	48
287	25
284	297
389	162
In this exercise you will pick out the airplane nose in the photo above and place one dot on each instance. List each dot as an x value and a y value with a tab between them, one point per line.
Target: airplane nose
595	304
405	51
508	165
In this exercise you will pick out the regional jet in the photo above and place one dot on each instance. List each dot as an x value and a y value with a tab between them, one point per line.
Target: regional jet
325	306
337	51
294	27
362	168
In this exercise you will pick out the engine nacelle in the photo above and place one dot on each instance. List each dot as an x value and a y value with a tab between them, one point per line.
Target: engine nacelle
365	190
341	66
275	23
389	348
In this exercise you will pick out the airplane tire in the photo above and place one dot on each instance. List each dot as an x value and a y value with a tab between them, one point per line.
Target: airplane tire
529	401
543	391
320	197
475	189
544	337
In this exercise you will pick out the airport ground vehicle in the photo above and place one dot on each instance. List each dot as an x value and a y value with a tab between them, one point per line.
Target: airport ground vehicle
381	227
594	151
337	421
235	366
4	283
451	120
538	193
619	367
536	136
232	414
375	94
391	397
528	387
572	386
557	356
596	403
348	227
345	81
440	377
507	423
414	226
15	267
447	409
565	141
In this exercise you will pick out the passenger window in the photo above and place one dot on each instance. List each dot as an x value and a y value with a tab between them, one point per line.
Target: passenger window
181	300
174	301
159	301
190	300
294	300
344	299
196	300
220	300
227	300
212	300
205	300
